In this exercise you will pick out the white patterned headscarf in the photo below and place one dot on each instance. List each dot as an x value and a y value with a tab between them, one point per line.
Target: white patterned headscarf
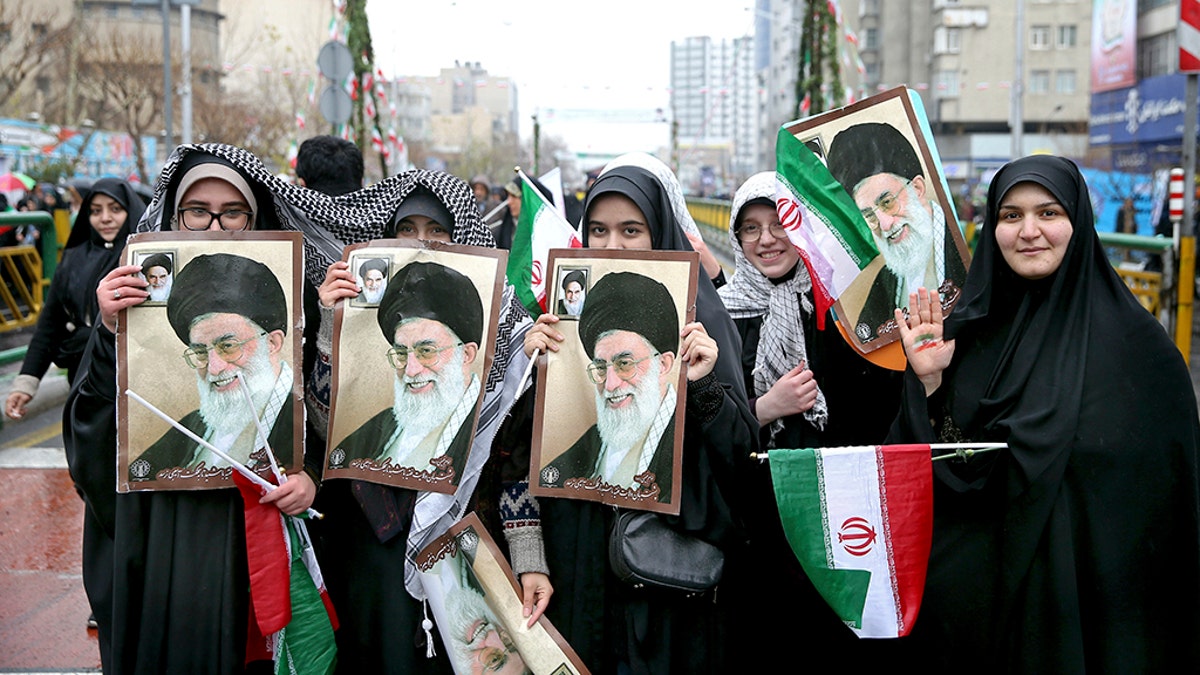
749	293
668	180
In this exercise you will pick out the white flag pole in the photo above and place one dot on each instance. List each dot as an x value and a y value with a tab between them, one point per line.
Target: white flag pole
238	466
262	433
528	370
962	450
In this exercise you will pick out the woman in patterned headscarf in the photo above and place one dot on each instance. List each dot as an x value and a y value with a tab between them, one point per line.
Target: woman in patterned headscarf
166	572
808	388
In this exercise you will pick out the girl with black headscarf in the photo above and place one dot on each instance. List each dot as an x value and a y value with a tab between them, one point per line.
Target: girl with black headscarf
1077	548
65	322
611	624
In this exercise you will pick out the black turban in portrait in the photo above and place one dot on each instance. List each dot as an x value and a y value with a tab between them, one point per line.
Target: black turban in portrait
632	302
222	283
432	291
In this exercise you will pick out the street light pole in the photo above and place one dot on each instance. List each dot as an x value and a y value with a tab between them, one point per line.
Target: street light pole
168	95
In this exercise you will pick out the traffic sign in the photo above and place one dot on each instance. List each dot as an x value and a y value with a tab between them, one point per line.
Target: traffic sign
335	61
336	104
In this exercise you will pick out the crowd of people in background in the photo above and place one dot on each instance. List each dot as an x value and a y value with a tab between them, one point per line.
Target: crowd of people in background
1076	550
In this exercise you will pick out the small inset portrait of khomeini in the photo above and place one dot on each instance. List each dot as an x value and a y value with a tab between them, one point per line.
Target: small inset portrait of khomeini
572	289
158	270
629	329
372	276
231	315
432	316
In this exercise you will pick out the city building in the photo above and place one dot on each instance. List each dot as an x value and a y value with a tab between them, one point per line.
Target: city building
715	110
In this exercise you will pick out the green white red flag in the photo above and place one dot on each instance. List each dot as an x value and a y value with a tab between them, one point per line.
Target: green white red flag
291	617
860	521
822	221
540	227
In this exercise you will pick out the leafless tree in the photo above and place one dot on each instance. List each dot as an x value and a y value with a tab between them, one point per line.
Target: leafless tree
120	84
32	36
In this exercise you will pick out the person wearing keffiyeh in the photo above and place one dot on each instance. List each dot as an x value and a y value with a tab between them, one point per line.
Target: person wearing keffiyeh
177	595
808	389
369	555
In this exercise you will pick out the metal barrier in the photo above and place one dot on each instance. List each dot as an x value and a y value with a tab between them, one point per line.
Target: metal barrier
24	272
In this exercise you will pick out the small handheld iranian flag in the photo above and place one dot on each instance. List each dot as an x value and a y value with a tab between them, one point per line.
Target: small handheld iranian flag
860	521
821	220
292	619
540	228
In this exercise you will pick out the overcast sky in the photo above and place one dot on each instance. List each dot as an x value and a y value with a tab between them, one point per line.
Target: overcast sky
564	55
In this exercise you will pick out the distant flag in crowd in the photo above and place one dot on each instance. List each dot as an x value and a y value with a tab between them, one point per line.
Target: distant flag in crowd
860	521
293	153
300	121
292	619
821	220
540	227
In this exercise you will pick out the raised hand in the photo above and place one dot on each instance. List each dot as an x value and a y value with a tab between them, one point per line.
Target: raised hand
542	336
119	289
698	351
921	334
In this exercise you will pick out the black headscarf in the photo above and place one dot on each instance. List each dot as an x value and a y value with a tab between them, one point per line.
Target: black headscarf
1085	532
645	190
90	256
82	229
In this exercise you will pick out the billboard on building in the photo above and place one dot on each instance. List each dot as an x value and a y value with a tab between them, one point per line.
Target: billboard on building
1114	44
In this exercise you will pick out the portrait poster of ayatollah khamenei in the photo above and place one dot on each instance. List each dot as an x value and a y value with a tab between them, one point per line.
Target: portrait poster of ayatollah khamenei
411	354
208	367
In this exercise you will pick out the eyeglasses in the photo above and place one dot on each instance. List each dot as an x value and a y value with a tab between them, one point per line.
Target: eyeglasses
196	218
623	366
228	349
751	232
427	354
887	202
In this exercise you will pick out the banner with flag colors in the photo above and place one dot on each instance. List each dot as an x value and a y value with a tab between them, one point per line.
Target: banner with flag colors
292	617
860	521
540	227
821	220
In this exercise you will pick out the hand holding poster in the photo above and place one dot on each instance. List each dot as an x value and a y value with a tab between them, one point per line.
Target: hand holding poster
229	320
608	423
478	611
409	355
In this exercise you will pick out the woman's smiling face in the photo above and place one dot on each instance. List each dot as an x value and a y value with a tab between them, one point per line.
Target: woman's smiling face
771	254
1032	230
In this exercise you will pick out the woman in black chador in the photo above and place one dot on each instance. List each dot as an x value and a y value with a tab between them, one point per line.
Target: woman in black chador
1077	548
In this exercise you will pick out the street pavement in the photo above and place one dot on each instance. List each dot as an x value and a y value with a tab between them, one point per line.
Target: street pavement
44	610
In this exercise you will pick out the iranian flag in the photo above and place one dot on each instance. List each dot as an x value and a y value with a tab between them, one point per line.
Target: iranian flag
292	619
821	220
540	228
860	521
